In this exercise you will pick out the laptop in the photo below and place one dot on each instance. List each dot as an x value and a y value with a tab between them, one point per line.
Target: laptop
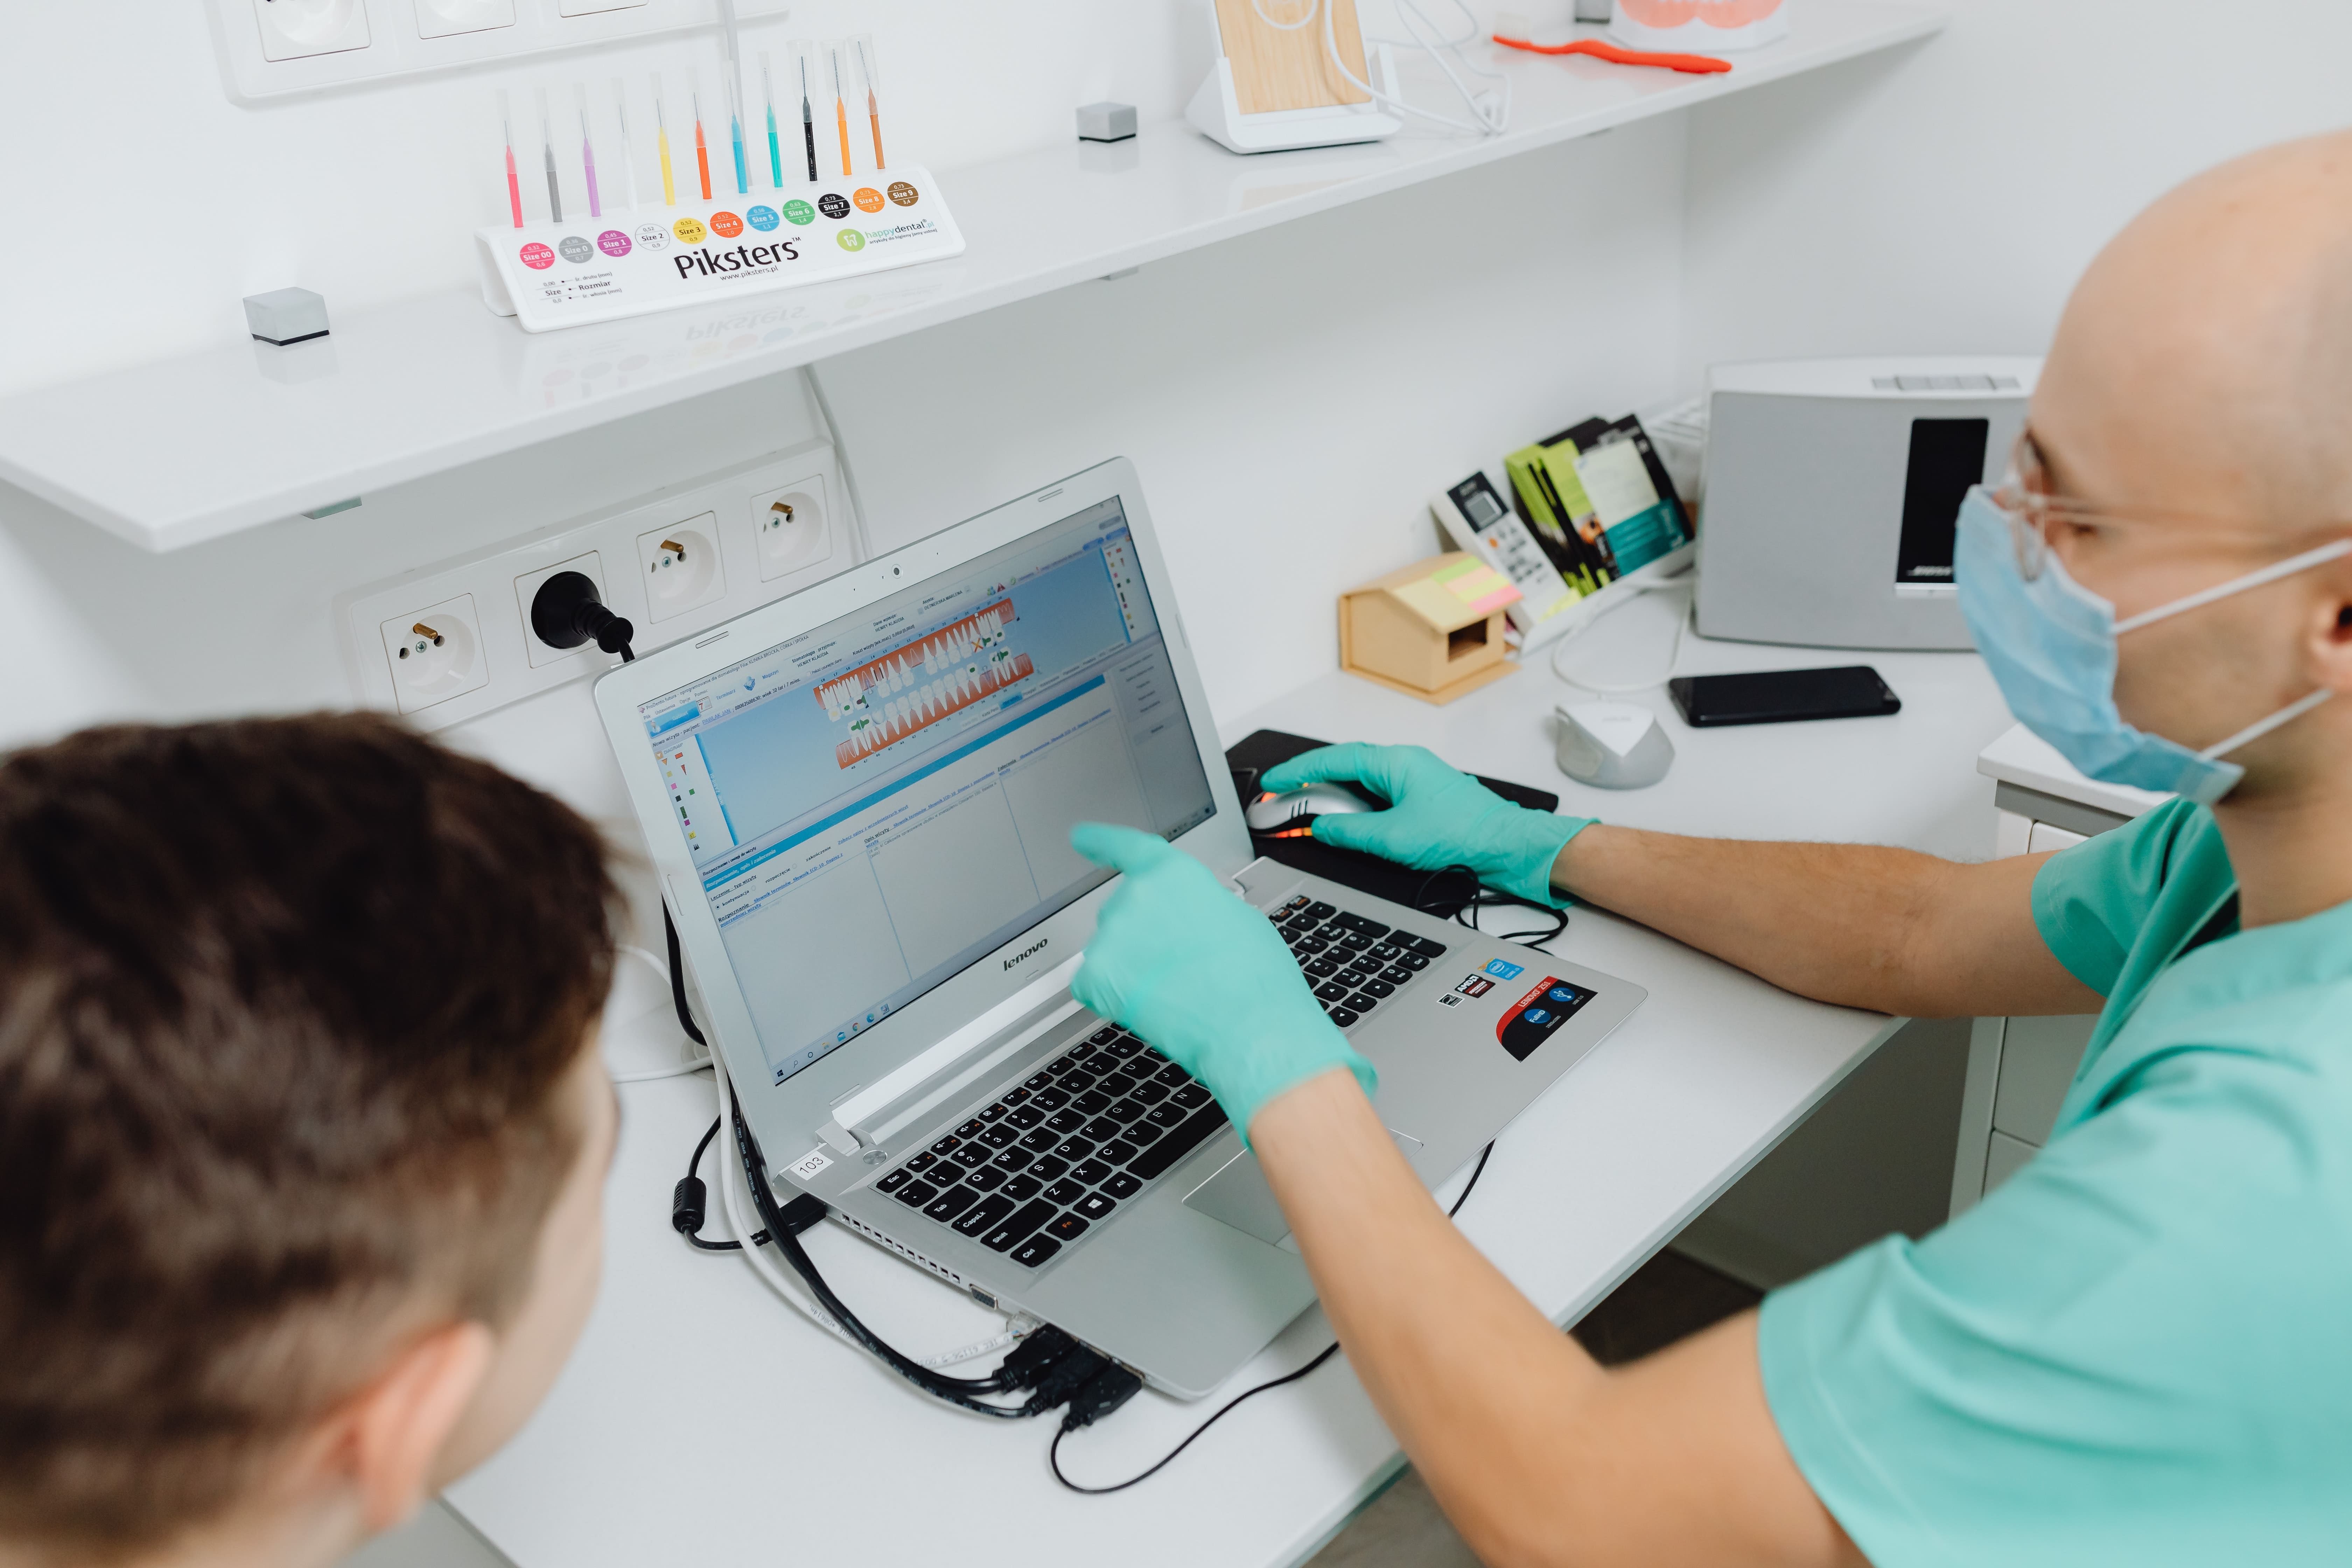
858	800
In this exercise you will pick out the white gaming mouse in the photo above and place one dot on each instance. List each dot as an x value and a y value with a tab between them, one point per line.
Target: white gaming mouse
1612	745
1297	807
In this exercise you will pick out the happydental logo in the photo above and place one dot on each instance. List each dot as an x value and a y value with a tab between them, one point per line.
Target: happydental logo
850	239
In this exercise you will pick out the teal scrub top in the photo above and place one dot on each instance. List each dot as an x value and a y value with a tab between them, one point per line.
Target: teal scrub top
2138	1350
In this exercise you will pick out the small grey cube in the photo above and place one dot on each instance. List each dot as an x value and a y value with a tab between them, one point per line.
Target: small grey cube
1106	121
286	315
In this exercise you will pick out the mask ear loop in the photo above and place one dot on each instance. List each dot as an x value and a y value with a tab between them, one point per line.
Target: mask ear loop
2261	727
2271	573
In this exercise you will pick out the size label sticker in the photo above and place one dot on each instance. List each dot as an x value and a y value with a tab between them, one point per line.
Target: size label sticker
808	1165
867	198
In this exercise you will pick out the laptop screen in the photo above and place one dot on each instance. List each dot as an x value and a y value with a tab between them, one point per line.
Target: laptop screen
882	801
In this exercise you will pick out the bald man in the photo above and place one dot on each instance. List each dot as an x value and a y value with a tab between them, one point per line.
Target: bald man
2139	1349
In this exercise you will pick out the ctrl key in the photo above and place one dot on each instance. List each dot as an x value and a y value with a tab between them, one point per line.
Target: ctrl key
1033	1252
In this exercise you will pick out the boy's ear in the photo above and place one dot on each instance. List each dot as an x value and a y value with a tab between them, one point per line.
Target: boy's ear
397	1426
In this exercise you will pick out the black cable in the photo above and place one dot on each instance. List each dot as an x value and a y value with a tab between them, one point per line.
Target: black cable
1053	1450
1481	897
677	981
690	1200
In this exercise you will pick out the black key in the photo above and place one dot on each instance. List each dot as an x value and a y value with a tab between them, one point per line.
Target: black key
1343	1017
1417	961
970	1129
1365	964
1386	951
1103	1036
1066	1122
1313	944
1396	974
1331	991
972	1156
994	1114
1171	1114
1123	1112
1322	968
1123	1185
1062	1193
1061	1065
1021	1189
1375	988
1117	1084
1069	1228
1300	959
1100	1128
922	1162
1155	1091
915	1194
1094	1205
893	1181
1299	902
1141	1132
987	1179
1077	1080
1117	1152
1072	1148
1426	948
1299	927
1173	1075
1025	1117
1190	1096
1362	1004
1000	1136
1036	1080
984	1215
1019	1225
951	1203
1356	942
1363	927
1037	1140
1090	1172
1090	1103
1013	1160
1151	1059
1049	1168
1049	1100
1322	912
1201	1125
1126	1048
1035	1252
945	1145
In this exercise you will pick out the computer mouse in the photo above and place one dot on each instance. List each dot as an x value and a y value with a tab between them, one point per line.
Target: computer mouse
1612	745
1295	808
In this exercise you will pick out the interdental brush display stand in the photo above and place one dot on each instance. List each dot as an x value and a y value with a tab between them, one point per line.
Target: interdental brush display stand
650	258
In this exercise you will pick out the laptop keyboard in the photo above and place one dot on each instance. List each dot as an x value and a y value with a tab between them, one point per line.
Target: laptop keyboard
1353	964
1052	1159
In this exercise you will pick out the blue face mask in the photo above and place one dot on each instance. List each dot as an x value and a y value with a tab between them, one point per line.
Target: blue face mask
2050	644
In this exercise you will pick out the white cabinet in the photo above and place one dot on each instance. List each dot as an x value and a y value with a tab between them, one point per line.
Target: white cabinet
2019	1069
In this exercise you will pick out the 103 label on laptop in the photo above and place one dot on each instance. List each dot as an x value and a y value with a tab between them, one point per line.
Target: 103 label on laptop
650	258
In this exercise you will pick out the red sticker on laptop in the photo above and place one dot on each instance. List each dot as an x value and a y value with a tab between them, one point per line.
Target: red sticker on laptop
1536	1016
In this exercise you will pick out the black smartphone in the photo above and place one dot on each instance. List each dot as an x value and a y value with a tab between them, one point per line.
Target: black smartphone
1782	696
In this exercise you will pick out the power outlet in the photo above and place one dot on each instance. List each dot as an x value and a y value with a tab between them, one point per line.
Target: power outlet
298	29
590	565
448	18
791	528
435	653
680	567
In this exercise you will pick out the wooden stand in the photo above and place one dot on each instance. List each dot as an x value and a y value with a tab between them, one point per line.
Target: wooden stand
1405	632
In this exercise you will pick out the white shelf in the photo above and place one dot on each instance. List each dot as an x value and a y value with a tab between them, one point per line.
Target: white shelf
183	450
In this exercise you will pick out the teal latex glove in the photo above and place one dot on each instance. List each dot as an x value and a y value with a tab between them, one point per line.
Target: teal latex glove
1183	962
1437	817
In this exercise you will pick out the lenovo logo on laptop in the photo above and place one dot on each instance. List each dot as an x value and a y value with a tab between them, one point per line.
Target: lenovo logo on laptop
1032	951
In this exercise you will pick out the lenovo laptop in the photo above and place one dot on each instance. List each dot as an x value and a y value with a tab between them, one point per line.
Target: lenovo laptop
859	801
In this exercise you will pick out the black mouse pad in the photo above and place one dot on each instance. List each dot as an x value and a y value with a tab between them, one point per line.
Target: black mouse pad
1256	753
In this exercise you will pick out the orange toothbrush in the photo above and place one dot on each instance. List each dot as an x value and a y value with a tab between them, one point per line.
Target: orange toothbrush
1600	49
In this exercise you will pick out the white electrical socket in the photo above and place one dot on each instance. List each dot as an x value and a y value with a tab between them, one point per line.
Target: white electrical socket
448	18
791	527
298	29
680	567
435	654
526	588
620	550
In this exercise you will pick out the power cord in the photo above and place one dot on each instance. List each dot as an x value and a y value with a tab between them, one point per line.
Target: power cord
1674	653
1071	1422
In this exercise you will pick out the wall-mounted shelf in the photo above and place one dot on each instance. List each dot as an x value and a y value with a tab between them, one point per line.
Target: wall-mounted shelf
186	449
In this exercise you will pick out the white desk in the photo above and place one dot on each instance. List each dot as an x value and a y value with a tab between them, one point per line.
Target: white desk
702	1421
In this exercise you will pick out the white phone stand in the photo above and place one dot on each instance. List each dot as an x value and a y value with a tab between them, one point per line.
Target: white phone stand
1216	112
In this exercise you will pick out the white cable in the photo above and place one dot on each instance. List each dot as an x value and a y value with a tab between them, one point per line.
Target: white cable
1490	113
679	1069
1312	6
1673	654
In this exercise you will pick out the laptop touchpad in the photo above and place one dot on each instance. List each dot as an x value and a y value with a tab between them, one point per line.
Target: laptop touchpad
1238	1195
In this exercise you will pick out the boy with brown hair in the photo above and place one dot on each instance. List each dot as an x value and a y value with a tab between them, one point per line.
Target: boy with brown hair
303	1132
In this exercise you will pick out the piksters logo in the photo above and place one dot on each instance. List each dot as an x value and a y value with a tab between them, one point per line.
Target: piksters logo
711	263
1032	951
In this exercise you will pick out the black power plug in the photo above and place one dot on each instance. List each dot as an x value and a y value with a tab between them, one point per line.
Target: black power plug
567	611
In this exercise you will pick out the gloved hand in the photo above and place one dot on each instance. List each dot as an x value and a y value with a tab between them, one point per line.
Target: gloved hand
1189	968
1437	817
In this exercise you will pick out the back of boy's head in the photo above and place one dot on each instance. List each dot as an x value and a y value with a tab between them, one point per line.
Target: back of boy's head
285	1006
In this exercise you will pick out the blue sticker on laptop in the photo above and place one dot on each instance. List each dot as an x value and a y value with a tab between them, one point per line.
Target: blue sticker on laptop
1502	970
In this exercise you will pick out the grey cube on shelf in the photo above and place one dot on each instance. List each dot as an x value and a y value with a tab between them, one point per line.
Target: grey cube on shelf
1106	121
286	316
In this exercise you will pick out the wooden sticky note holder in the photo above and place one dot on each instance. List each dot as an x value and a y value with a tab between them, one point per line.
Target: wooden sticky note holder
1431	630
